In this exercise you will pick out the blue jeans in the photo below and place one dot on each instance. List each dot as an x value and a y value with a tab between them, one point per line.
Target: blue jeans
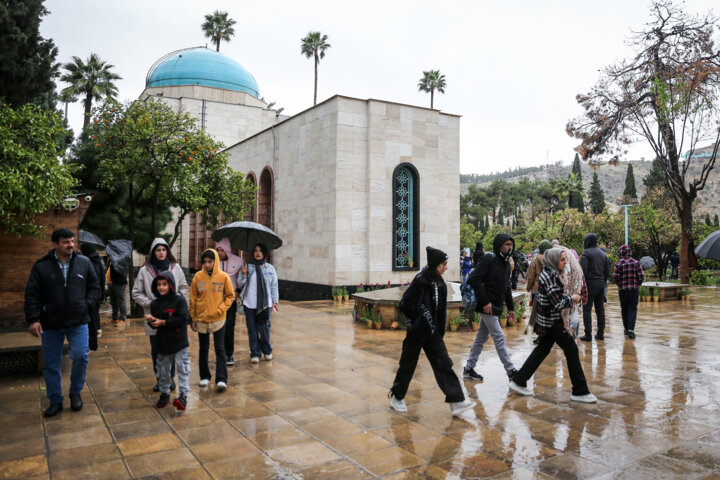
628	307
52	347
259	335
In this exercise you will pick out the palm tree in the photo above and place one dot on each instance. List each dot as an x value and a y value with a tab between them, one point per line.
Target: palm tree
92	81
314	45
569	188
432	80
217	27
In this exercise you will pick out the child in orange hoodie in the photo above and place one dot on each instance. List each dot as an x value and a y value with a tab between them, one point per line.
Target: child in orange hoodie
211	294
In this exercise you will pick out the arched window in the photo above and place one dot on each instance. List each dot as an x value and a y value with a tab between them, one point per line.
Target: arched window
406	235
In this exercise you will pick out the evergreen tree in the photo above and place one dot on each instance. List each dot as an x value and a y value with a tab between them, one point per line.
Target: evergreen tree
708	222
597	197
576	201
500	218
716	221
655	177
630	192
28	64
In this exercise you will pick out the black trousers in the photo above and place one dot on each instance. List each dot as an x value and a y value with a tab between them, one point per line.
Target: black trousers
230	330
220	367
596	297
628	307
572	357
437	355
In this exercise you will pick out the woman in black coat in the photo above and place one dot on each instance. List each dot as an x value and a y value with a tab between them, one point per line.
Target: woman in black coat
424	304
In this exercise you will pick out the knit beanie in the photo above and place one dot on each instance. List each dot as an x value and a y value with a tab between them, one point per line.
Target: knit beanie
435	257
544	245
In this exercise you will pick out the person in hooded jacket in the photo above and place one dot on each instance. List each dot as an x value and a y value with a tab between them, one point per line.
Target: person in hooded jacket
260	296
491	282
596	268
95	331
477	253
159	260
424	305
211	294
170	317
230	264
551	300
628	275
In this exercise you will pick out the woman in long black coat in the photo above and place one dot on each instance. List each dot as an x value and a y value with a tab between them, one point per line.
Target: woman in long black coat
424	304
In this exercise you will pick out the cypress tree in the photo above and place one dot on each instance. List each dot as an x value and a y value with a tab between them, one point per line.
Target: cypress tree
576	201
708	222
630	191
597	197
716	221
500	217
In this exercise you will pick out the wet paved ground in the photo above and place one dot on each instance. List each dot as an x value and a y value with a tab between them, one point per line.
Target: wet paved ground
319	409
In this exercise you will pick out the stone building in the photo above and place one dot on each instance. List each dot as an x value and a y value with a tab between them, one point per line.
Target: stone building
355	188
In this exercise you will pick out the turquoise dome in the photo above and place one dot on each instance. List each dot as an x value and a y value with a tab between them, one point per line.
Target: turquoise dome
201	66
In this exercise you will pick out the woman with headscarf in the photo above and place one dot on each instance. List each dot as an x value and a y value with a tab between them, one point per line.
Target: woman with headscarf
159	260
534	271
551	300
260	294
573	281
424	305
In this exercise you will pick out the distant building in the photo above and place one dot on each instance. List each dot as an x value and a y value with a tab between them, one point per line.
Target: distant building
355	188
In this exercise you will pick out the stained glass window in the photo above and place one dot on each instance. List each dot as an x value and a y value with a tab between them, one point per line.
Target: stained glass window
404	218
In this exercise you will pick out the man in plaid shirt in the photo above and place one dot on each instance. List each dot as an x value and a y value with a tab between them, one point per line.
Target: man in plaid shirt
628	276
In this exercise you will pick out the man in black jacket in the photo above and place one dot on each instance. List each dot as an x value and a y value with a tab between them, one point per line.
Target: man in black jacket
491	282
60	292
596	268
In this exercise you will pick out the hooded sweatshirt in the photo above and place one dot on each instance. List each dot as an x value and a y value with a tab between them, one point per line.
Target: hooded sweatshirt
232	265
628	273
594	262
211	293
142	289
491	278
171	307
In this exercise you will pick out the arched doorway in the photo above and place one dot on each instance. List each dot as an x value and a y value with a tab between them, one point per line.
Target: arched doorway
251	216
265	203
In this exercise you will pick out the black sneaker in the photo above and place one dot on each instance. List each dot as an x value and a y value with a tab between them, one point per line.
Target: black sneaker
163	400
586	338
512	373
180	402
172	386
600	336
625	332
156	388
536	341
472	374
631	334
53	409
230	361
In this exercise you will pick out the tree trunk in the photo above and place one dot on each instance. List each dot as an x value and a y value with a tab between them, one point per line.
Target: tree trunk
316	64
176	233
432	97
217	44
88	107
153	230
685	239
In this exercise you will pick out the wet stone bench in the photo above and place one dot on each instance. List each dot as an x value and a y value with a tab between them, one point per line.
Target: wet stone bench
20	352
668	291
386	300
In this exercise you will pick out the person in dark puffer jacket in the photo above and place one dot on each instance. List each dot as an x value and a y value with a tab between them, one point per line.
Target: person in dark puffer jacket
170	316
60	292
424	305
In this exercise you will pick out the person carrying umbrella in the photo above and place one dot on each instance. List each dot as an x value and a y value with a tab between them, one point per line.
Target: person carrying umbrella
260	294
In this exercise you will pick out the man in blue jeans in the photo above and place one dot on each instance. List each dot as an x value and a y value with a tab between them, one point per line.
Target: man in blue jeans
61	288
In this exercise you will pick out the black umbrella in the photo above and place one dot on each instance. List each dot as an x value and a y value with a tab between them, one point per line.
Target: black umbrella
710	247
245	235
89	237
120	253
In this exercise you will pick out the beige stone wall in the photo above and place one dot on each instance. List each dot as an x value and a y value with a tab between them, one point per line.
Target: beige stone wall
203	92
333	193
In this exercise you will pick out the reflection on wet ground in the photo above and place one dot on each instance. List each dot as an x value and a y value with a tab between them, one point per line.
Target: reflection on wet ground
319	409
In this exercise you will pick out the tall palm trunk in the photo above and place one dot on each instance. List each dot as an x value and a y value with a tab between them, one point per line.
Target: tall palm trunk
217	44
88	107
432	98
317	60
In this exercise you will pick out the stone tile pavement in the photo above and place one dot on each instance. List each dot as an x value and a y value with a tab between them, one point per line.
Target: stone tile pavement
319	409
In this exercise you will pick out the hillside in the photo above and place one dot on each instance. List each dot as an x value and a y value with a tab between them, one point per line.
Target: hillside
612	180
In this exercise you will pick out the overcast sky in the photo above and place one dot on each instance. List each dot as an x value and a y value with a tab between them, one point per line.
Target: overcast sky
512	68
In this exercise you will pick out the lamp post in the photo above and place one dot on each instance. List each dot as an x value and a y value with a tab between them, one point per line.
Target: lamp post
626	223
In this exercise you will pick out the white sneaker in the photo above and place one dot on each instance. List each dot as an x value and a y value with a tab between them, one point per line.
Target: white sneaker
398	405
460	407
221	386
521	390
204	382
254	360
587	398
268	357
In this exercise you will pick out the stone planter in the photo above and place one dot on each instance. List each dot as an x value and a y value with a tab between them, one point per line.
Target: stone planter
378	325
369	323
503	322
346	298
454	327
475	326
